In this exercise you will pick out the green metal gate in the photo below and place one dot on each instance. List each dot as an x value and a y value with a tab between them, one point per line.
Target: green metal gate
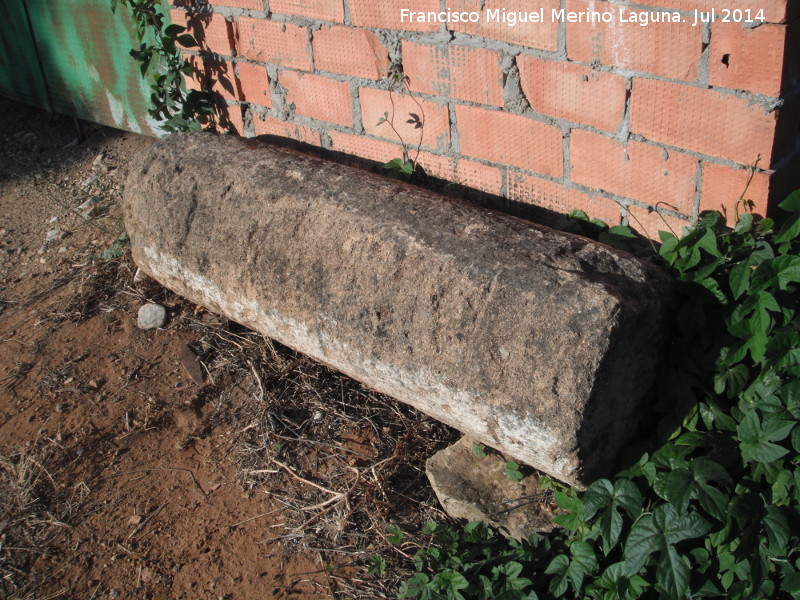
72	57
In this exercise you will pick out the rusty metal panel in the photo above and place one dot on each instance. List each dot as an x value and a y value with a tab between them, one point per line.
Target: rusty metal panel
21	76
83	51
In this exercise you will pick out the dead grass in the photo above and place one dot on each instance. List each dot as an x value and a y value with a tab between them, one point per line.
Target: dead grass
35	508
343	460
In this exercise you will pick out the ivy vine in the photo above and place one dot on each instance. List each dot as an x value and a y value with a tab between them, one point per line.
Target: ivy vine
161	62
709	507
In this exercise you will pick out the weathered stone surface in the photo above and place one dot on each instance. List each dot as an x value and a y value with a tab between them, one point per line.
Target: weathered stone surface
478	489
537	343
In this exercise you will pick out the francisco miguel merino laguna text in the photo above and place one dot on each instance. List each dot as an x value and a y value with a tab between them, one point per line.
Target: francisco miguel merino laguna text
512	18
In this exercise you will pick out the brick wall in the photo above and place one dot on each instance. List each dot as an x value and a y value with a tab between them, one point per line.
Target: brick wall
638	124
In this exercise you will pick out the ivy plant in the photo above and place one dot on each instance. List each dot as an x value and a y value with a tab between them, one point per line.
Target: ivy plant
160	62
709	505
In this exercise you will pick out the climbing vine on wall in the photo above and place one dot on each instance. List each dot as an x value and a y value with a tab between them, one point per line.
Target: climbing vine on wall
160	62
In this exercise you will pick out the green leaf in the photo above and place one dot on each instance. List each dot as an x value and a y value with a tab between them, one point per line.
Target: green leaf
573	519
395	534
415	586
679	488
377	566
607	499
622	231
792	202
756	442
512	471
643	540
789	231
787	269
478	450
658	532
673	573
744	224
739	278
559	567
777	528
451	582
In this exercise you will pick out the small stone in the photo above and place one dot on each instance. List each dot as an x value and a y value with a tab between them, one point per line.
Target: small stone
191	364
99	159
135	520
151	316
62	249
53	219
87	208
89	181
478	489
55	234
139	276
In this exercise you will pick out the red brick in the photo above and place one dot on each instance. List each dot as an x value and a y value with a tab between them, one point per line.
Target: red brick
254	84
251	4
649	221
723	186
435	118
221	79
386	15
462	72
269	41
325	10
775	11
559	198
706	121
667	49
570	91
233	113
266	125
510	139
364	147
212	32
461	171
198	79
641	171
349	51
543	35
213	75
318	97
747	59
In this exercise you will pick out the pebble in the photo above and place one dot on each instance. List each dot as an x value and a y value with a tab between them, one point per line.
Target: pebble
89	203
89	181
55	234
151	316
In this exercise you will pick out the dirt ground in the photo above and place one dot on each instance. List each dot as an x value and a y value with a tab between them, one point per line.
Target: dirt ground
120	476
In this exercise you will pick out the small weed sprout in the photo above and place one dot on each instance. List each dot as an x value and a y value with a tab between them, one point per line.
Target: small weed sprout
403	167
